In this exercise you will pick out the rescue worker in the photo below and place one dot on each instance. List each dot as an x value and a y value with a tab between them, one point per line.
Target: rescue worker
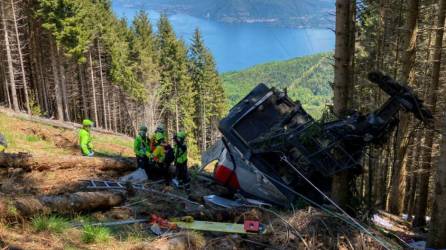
161	154
85	138
140	147
3	143
180	155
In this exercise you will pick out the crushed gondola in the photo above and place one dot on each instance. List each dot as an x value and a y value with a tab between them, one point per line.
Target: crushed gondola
271	148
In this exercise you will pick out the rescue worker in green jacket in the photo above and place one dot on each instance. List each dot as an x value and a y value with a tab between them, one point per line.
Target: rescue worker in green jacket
85	138
180	155
3	143
161	154
140	146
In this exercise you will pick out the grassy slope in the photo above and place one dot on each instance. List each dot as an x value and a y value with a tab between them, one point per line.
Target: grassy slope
27	136
306	78
55	232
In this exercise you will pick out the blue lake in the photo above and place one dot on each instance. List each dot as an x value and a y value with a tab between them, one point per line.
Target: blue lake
239	46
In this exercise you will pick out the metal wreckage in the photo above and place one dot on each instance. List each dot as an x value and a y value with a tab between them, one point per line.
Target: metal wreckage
272	150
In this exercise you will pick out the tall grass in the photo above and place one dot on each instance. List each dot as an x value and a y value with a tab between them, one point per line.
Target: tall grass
54	224
32	138
94	234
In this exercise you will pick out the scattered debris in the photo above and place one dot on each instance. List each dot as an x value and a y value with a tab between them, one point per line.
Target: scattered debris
218	227
226	203
96	184
137	176
222	202
114	223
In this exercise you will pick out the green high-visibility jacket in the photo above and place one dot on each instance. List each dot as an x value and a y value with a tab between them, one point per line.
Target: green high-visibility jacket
158	154
180	153
2	148
140	146
85	141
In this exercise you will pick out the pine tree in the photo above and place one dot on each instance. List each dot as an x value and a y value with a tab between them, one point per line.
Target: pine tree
176	89
146	68
209	103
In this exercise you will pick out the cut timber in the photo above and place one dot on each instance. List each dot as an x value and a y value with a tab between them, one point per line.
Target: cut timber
62	204
45	162
54	123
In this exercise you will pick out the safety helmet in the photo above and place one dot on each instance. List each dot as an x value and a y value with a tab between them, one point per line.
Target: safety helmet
181	135
160	128
87	123
159	136
143	128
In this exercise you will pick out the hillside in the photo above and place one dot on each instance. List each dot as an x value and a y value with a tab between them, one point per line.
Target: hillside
287	13
25	189
306	78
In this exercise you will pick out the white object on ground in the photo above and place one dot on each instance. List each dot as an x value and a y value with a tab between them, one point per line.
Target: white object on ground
137	176
175	182
378	220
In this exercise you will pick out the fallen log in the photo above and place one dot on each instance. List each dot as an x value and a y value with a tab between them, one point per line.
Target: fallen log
44	162
55	123
62	204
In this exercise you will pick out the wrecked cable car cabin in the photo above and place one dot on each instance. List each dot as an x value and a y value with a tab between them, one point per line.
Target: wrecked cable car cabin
273	150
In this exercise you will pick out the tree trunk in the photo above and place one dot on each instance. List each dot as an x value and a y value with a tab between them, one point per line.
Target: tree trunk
74	203
115	118
420	212
437	229
104	107
409	40
95	108
43	162
12	83
19	50
177	115
6	86
57	88
83	97
63	84
345	13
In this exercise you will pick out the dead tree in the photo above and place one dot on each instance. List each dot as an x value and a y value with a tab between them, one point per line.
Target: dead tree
12	82
21	57
93	90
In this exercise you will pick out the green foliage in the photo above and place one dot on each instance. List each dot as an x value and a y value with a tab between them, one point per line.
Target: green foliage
69	21
209	104
77	24
32	138
176	88
52	224
143	52
34	105
94	234
307	79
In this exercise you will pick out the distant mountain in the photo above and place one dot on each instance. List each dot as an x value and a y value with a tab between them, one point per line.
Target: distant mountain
307	79
287	13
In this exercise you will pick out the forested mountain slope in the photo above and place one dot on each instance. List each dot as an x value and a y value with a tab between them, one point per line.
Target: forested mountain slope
291	13
307	79
74	59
